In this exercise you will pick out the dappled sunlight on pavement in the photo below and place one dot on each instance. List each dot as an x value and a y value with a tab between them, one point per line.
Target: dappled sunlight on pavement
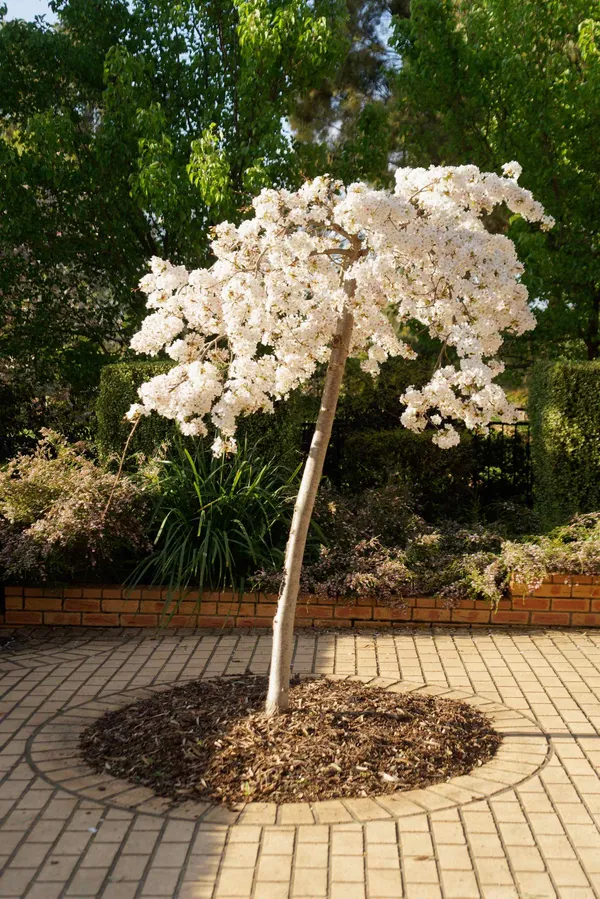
528	828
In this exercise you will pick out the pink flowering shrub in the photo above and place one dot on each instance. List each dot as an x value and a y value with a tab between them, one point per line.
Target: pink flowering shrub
376	546
52	522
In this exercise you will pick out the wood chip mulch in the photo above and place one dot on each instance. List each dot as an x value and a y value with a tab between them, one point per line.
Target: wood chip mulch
210	741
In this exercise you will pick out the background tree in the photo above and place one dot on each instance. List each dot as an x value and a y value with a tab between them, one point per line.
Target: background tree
346	122
127	131
483	81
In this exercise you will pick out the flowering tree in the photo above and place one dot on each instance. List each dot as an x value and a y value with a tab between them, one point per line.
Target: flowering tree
325	272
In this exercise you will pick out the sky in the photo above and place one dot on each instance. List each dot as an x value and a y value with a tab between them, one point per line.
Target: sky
28	9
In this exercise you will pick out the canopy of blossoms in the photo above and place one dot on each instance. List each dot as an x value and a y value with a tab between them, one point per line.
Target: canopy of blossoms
254	325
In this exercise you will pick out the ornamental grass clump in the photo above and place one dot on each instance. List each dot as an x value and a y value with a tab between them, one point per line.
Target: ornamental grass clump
327	272
52	522
216	519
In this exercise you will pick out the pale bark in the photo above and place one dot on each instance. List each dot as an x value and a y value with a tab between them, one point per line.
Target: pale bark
283	624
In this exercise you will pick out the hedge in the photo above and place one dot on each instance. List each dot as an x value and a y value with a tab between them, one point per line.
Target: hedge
441	480
118	390
373	404
279	433
564	414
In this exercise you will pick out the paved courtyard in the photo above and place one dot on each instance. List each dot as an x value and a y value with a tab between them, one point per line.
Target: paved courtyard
528	826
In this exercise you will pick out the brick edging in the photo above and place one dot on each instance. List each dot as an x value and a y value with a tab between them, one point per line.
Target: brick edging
63	768
561	600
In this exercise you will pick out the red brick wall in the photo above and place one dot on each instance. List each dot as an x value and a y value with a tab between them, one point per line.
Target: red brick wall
563	601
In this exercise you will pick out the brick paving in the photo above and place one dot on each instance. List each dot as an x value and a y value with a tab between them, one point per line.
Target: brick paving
534	834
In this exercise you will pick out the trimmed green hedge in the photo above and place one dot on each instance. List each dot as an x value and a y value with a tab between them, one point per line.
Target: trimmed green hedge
441	480
373	404
279	434
564	412
118	390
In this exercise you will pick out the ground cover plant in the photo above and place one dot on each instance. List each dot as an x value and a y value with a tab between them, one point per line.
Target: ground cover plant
375	544
573	548
323	273
190	519
53	526
210	740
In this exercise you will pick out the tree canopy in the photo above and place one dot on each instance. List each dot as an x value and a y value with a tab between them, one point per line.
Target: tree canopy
487	81
128	130
345	119
131	127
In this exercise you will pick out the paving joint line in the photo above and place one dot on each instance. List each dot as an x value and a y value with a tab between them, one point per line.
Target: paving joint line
558	814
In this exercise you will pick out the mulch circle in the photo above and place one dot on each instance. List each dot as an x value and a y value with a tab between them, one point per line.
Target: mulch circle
209	740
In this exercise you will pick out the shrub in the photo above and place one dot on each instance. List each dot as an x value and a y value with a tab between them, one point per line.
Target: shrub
278	433
373	404
564	411
376	545
369	447
118	390
52	525
217	519
570	549
441	480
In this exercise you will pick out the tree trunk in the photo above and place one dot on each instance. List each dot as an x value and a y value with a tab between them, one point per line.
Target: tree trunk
593	332
283	625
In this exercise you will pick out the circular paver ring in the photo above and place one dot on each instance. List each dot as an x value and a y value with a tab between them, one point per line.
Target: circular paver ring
60	648
53	752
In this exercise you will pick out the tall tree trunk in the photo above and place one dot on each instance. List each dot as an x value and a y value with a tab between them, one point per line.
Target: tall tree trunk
283	625
593	331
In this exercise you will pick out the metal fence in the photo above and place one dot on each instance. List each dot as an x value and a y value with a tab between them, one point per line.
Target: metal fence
504	462
501	462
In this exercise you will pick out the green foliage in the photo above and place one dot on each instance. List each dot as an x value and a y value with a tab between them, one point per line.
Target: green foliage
564	411
279	433
368	403
209	169
370	448
345	122
364	151
217	519
52	522
573	548
119	384
374	544
127	131
440	479
489	81
70	235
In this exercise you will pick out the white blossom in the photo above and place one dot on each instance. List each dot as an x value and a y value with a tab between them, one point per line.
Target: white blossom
253	326
135	411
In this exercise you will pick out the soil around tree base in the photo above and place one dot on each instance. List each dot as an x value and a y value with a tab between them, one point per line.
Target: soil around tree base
211	741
